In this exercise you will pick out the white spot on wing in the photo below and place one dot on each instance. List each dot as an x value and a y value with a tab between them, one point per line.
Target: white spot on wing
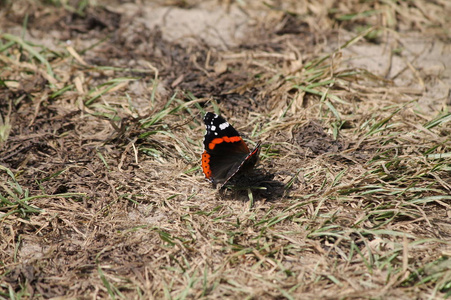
212	128
224	125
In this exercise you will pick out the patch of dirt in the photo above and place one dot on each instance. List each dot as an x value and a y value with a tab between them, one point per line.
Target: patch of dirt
313	137
214	25
101	128
423	69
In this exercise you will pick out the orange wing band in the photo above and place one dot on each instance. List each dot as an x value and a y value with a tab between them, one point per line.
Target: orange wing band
226	139
206	164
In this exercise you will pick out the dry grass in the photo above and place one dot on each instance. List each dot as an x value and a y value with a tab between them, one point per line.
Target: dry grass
101	194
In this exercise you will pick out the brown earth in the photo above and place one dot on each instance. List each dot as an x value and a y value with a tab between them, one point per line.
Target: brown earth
101	134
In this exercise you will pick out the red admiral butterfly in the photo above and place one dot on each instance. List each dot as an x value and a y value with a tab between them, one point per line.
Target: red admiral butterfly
225	151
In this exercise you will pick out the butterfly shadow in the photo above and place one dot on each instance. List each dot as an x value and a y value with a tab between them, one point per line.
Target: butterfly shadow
257	186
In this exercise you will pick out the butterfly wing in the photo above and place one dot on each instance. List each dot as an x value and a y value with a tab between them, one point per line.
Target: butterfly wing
246	165
225	151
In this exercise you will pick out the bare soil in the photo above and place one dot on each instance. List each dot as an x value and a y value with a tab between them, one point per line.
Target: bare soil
101	132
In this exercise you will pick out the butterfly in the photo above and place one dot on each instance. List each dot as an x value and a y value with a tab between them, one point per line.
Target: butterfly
225	152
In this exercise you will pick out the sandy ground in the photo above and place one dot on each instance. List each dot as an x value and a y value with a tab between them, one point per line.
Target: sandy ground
124	209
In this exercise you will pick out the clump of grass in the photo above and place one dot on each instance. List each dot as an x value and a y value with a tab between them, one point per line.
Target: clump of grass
14	199
112	194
